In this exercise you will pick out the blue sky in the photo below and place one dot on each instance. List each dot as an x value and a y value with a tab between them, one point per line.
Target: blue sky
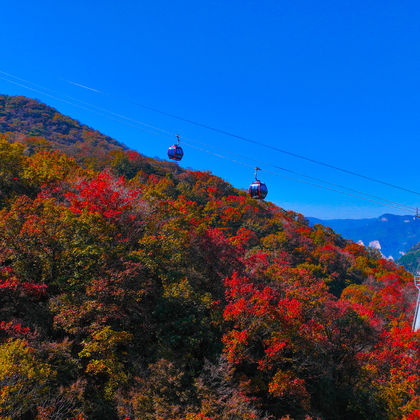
336	81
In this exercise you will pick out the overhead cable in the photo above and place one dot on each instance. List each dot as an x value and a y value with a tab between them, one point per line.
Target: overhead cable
134	123
246	139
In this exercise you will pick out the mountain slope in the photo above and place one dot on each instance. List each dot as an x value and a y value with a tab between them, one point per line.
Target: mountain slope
411	260
22	117
130	289
395	234
40	127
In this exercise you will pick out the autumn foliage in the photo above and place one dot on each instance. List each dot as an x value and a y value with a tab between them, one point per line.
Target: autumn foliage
134	291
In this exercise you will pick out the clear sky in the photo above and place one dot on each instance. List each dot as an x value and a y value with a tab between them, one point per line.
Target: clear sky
336	81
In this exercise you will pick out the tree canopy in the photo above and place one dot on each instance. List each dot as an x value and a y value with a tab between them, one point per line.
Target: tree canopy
133	289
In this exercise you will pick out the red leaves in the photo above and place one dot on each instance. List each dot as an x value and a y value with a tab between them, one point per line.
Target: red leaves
291	308
284	384
16	330
8	281
250	306
275	347
242	238
398	343
415	415
34	289
212	191
235	342
391	369
134	156
283	332
102	195
383	299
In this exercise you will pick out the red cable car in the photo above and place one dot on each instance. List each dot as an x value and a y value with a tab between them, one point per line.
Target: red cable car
258	189
175	152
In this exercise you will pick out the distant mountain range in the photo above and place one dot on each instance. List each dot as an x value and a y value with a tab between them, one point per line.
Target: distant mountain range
392	235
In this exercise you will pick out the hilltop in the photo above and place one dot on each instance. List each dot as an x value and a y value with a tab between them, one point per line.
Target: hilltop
24	117
133	289
41	127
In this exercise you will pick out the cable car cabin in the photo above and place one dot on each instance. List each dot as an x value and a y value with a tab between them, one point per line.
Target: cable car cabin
175	152
258	190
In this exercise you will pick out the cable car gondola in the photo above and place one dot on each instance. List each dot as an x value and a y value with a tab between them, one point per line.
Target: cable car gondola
175	152
258	189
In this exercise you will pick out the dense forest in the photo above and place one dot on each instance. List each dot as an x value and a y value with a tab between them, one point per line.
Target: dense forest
411	260
133	289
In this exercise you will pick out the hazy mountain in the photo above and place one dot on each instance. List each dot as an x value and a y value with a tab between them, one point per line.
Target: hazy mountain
392	235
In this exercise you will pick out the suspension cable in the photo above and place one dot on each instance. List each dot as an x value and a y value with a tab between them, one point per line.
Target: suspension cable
233	135
243	138
134	123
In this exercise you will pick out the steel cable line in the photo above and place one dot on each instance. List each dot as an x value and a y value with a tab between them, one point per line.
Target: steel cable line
308	176
70	103
133	122
296	179
80	101
227	133
243	138
169	133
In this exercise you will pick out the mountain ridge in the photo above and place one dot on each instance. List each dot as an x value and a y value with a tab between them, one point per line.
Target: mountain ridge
22	117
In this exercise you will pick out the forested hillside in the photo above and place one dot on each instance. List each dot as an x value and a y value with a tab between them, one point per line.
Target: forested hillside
411	260
31	121
132	289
